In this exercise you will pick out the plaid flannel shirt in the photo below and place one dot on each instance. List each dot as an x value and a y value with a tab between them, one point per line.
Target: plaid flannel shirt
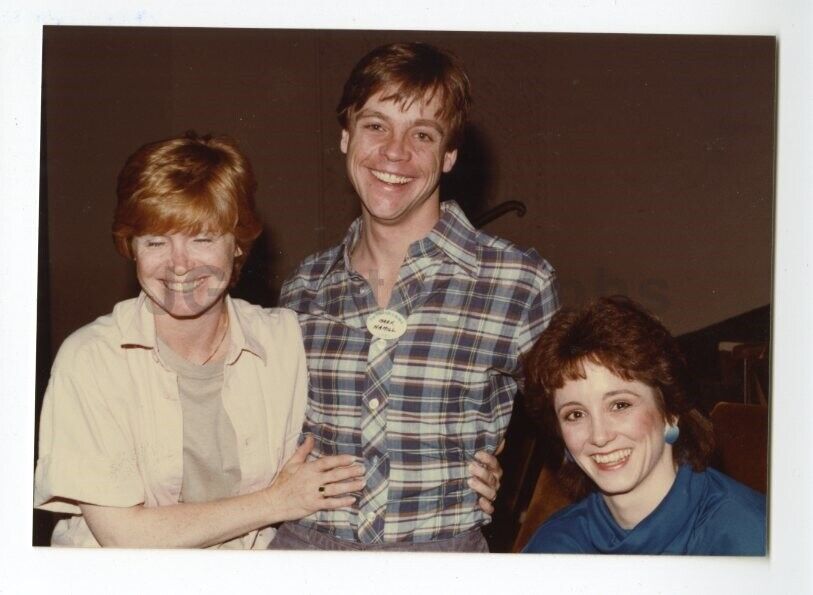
415	409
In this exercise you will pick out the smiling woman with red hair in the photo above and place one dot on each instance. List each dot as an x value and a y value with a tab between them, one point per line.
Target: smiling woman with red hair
611	382
169	422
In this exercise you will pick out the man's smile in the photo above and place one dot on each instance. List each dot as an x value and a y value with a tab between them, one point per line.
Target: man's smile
390	178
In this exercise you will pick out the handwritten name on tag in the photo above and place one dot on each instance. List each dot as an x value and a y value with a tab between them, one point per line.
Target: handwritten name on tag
386	324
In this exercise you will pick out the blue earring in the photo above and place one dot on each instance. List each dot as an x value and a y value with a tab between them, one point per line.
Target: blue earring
569	457
671	434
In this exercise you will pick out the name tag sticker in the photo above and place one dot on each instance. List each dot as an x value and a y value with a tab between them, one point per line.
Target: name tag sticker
386	324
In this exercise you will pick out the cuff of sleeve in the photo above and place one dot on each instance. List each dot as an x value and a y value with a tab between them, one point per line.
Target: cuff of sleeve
89	480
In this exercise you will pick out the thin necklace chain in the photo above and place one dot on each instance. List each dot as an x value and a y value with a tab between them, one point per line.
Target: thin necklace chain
219	343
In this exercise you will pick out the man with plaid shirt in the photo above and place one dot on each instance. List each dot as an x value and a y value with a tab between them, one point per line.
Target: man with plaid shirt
414	325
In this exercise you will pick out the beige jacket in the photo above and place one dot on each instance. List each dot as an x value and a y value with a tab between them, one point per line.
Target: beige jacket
111	430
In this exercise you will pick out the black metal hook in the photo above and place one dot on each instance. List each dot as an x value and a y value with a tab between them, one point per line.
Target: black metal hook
498	211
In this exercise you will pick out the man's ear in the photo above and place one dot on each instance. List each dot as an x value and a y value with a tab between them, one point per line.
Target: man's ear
449	158
345	141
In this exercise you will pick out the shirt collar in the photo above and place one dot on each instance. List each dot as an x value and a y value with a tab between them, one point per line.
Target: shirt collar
660	528
240	336
452	234
343	258
455	236
139	331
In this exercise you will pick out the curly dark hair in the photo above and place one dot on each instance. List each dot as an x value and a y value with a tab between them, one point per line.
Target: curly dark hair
619	334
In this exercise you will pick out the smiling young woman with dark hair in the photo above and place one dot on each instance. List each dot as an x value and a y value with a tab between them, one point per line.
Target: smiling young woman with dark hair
610	380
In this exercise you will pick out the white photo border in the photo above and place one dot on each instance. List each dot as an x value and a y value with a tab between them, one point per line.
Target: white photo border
28	569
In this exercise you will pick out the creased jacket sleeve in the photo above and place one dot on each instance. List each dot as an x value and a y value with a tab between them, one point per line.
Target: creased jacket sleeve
86	451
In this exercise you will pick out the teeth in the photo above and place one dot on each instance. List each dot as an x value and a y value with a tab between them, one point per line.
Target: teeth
612	457
184	287
390	178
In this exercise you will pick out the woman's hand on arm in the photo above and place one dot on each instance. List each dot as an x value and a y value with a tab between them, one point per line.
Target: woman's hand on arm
293	495
486	473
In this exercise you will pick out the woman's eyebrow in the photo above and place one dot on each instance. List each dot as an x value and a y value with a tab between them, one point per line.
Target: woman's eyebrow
568	404
621	391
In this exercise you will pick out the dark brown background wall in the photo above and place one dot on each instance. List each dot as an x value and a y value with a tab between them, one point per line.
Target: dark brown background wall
645	162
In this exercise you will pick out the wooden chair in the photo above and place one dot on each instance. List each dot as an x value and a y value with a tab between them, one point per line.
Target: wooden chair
746	367
741	433
547	498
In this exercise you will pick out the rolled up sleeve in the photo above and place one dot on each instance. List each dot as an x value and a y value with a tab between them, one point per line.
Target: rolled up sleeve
86	450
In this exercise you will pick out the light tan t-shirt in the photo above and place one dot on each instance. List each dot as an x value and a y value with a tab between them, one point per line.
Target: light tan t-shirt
211	469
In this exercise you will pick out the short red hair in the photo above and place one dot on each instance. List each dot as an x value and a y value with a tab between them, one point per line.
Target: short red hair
189	184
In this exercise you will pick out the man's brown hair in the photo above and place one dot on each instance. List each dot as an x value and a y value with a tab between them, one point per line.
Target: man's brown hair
410	72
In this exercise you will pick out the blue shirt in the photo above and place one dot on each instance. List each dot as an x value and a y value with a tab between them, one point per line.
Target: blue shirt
418	406
705	513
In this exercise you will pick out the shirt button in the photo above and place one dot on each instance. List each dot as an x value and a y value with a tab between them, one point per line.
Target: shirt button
373	404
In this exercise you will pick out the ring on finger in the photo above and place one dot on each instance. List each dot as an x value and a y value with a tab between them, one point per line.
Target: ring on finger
322	490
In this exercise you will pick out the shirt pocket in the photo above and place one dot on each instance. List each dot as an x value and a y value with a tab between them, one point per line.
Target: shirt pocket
435	476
